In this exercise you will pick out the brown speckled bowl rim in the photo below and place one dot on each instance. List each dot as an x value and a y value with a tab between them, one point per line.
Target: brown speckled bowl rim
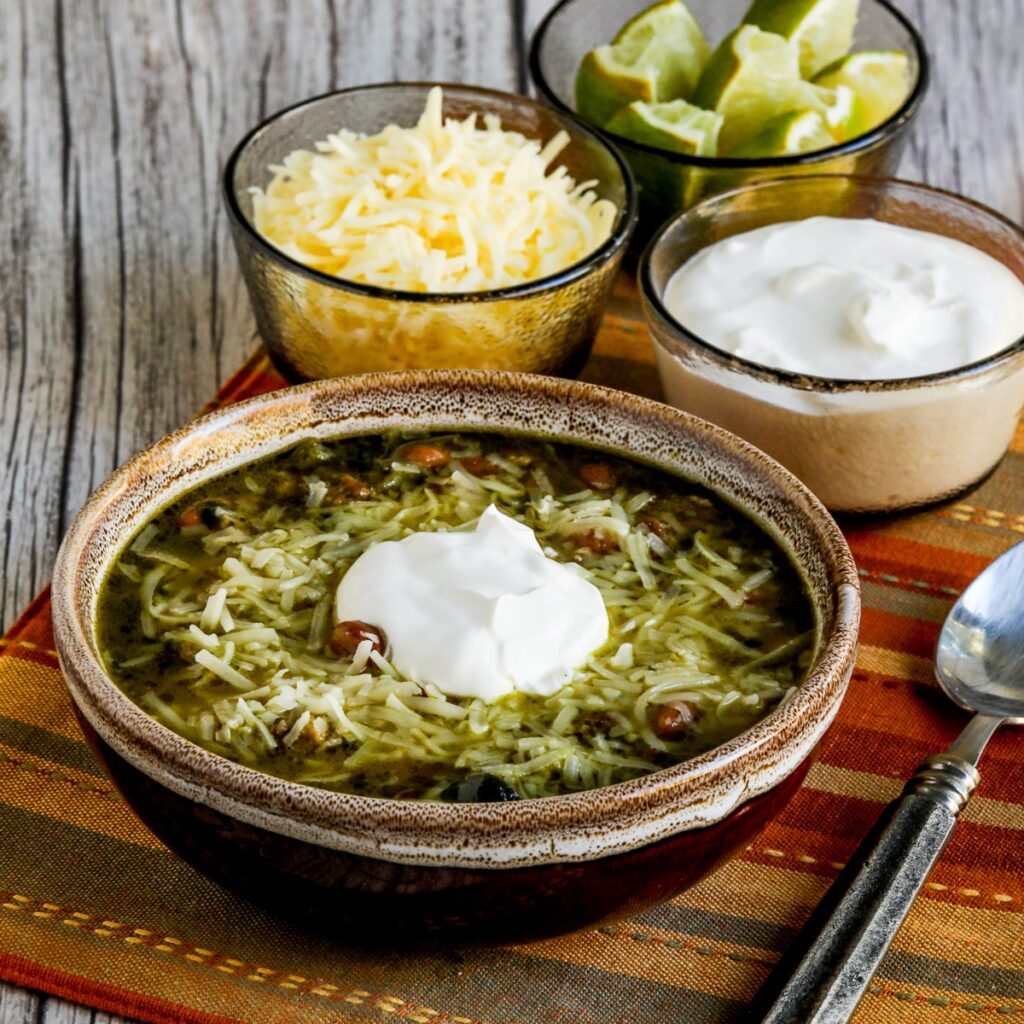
681	337
572	827
851	147
622	229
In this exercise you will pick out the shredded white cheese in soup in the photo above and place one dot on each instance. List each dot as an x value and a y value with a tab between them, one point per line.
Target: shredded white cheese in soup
447	206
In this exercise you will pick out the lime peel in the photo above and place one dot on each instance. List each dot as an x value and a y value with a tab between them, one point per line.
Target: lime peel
821	29
655	57
880	78
798	131
676	126
752	77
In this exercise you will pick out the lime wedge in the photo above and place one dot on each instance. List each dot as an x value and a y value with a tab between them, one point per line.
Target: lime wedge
842	109
656	56
670	38
752	77
604	84
880	78
821	29
677	126
799	131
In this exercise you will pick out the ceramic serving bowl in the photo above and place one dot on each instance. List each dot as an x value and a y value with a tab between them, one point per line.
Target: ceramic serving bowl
315	325
670	182
860	445
413	870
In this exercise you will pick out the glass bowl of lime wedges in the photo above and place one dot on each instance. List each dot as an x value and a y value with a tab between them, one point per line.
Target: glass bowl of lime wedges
707	95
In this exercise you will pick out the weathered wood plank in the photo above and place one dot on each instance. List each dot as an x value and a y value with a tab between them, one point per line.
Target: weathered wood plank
56	1011
18	1006
38	219
970	133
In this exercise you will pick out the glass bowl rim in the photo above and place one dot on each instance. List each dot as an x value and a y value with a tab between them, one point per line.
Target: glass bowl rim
622	229
888	128
807	381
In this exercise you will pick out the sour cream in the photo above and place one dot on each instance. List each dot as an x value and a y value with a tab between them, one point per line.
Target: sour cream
849	299
478	613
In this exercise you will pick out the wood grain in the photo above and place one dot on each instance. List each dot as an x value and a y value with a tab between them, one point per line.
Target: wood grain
121	306
970	134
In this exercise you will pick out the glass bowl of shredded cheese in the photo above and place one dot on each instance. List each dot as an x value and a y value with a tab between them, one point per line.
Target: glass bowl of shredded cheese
411	226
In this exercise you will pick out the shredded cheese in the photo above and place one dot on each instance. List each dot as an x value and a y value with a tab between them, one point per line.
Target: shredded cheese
447	206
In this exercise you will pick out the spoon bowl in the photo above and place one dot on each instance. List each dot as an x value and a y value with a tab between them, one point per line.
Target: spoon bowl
979	658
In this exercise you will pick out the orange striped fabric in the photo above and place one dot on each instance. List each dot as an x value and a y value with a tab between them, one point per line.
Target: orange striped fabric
93	908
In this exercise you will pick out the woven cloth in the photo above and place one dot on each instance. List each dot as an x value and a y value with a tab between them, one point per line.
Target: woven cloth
93	908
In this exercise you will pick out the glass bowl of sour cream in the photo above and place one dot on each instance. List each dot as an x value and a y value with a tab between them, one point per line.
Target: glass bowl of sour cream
868	333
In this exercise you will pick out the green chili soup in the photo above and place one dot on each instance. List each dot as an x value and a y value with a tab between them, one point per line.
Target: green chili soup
218	619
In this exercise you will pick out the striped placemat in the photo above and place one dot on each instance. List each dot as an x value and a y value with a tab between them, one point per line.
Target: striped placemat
93	908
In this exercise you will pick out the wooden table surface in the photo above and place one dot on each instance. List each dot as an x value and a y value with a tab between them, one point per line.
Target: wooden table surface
121	305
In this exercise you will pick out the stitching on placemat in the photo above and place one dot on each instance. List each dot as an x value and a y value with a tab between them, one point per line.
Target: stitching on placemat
394	1005
943	1002
903	581
28	645
877	989
985	517
686	945
806	858
108	928
57	775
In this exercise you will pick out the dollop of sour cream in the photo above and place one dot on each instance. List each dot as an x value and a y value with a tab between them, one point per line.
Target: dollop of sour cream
477	613
848	298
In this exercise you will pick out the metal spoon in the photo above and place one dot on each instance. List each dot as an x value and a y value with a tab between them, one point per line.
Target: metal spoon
979	662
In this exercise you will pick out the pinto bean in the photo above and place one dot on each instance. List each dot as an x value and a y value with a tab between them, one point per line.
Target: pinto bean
652	525
348	635
426	456
599	476
675	719
598	541
478	465
211	514
765	595
189	518
353	487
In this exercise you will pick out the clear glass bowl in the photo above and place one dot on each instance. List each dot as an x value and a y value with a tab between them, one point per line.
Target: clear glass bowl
670	182
315	325
861	446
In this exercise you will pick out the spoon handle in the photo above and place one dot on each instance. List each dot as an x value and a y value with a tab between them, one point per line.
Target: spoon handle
824	972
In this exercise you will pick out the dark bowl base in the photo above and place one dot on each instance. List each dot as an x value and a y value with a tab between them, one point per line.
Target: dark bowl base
344	894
